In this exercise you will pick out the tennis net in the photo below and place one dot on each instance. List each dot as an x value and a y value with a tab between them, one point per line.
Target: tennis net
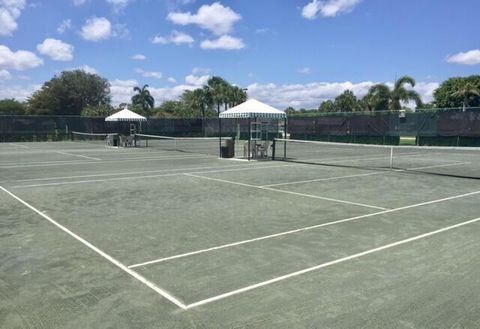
448	161
100	138
200	145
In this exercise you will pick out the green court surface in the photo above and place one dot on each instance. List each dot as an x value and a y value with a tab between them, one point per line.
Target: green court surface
96	237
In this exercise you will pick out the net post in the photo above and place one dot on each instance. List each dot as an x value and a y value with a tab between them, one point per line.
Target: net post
219	135
274	145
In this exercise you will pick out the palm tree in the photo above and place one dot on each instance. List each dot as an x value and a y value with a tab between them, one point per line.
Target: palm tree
381	97
378	98
465	92
218	88
237	96
204	99
144	99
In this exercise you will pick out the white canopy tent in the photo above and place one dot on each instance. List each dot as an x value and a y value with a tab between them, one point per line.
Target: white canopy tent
253	109
125	115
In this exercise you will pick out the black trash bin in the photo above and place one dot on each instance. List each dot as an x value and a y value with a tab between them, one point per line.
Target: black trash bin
227	150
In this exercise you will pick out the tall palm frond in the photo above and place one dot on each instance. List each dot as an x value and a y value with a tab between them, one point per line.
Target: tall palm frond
144	99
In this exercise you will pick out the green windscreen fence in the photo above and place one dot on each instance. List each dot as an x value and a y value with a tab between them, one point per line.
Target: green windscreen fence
428	127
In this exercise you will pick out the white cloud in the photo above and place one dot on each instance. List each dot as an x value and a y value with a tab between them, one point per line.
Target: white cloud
10	11
305	70
159	40
96	29
18	60
64	26
122	91
176	37
225	42
304	95
18	92
329	8
471	57
426	90
56	50
78	3
215	17
310	95
179	38
118	5
5	75
88	69
193	80
149	74
201	70
120	31
307	96
175	4
139	57
262	30
172	80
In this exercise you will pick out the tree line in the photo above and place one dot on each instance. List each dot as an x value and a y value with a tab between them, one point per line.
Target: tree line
459	92
207	101
80	93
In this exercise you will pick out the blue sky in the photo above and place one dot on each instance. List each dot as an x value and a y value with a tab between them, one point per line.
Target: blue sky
287	53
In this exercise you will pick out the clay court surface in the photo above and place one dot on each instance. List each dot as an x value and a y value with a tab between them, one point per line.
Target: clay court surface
96	237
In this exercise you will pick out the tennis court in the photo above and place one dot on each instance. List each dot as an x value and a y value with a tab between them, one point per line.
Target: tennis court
145	238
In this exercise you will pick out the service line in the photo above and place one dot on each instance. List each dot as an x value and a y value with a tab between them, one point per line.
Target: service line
238	243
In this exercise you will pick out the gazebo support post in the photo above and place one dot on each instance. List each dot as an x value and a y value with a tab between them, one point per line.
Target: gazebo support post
249	137
285	130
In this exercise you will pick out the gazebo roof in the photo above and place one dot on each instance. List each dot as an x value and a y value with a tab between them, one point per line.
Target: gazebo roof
125	115
253	109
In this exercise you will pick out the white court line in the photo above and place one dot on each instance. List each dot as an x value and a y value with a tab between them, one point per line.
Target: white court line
132	177
324	179
357	158
367	174
117	263
159	260
96	180
67	162
327	264
287	192
240	167
19	145
79	156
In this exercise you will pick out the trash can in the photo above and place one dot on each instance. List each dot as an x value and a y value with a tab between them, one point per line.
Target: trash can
227	149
